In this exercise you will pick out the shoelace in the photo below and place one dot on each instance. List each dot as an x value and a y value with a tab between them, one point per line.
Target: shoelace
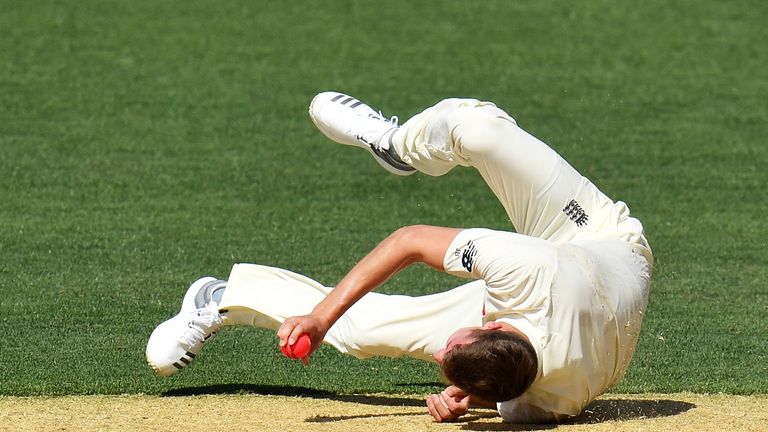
392	122
200	323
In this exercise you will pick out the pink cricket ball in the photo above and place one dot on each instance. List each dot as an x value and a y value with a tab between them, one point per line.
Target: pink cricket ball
299	349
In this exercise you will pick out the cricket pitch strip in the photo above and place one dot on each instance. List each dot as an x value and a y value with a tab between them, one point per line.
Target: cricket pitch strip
681	412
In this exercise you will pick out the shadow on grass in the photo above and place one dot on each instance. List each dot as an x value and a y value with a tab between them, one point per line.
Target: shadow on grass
293	391
599	411
629	409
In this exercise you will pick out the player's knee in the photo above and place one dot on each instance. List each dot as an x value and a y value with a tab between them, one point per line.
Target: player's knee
407	238
447	106
478	132
473	128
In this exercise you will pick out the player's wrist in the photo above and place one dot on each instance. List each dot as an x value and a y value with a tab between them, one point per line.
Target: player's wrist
325	317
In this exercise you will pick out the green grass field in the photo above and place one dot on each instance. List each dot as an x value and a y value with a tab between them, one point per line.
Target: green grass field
145	144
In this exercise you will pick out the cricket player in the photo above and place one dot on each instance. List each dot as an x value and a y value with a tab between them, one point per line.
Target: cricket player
551	319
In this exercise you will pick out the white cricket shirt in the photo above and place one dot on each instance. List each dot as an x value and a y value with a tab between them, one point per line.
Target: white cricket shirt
580	303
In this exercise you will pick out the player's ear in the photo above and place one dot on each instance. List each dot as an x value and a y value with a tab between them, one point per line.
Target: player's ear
439	355
492	325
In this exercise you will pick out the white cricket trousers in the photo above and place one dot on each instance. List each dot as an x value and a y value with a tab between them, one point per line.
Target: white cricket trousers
542	194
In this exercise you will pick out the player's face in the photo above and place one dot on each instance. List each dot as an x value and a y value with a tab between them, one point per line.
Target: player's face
462	336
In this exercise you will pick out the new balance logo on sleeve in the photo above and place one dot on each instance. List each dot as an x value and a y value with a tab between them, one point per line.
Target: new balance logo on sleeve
575	213
468	257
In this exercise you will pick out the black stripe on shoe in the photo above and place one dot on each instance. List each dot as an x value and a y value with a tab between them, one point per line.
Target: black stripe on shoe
190	355
337	98
178	366
356	104
391	157
185	360
345	101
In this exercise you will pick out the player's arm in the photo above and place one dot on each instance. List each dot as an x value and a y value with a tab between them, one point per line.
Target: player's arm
406	246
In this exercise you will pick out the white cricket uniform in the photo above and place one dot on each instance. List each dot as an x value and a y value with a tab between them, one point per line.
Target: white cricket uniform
580	303
574	278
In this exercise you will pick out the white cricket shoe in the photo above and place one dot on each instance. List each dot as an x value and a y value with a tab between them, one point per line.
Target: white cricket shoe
175	343
349	121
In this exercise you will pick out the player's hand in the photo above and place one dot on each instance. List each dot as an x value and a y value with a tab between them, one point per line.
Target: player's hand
449	405
293	327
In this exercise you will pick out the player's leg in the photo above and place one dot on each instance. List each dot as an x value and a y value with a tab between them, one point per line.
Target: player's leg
531	181
542	194
378	324
264	297
254	295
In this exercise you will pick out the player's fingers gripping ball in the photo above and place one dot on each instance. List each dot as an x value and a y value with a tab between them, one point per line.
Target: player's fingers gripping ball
299	349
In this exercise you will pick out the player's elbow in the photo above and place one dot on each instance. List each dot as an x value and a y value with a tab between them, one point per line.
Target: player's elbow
408	238
411	232
423	243
408	241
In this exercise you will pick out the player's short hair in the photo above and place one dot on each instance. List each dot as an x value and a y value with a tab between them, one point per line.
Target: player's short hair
496	367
